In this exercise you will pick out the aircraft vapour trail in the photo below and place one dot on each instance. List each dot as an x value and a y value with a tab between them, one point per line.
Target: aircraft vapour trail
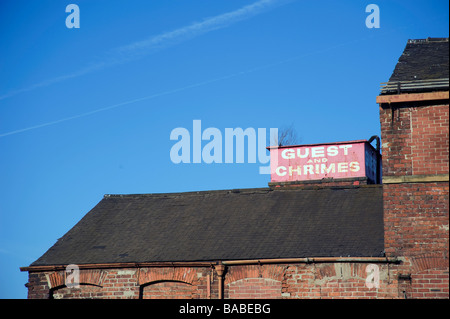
161	41
173	91
114	106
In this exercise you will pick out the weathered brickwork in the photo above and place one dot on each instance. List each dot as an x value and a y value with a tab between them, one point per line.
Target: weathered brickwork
416	218
414	139
127	283
253	281
259	288
429	134
415	143
427	277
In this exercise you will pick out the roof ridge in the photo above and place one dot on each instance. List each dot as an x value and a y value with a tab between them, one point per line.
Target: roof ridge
234	190
244	191
427	40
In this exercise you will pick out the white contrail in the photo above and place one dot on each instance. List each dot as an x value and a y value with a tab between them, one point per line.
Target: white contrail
218	22
154	43
149	97
117	105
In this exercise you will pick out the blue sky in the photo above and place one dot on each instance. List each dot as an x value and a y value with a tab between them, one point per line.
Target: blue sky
88	111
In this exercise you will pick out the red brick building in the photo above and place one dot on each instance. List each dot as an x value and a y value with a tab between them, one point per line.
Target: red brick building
328	238
414	116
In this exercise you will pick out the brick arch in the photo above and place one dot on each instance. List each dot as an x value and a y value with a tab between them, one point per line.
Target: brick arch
235	273
154	275
336	270
93	277
325	271
84	291
254	281
167	289
429	261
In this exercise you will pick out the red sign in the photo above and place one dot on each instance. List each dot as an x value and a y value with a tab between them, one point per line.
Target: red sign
318	161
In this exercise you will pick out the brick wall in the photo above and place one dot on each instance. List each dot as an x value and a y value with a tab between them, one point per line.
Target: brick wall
259	288
416	218
429	134
339	280
414	139
126	283
254	282
430	284
415	194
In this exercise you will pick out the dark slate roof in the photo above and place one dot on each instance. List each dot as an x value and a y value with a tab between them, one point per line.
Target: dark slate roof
226	225
422	61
